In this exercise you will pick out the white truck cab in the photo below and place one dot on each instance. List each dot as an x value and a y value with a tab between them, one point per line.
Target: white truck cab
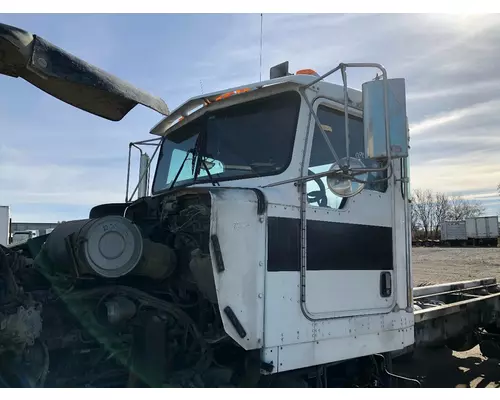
333	253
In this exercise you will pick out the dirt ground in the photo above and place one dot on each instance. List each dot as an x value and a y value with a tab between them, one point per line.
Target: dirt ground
441	368
440	265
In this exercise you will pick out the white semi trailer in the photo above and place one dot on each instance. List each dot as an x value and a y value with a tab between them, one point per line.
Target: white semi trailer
482	231
23	236
453	233
4	225
273	249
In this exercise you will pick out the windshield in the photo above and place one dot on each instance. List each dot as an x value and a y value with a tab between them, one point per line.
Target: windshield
245	140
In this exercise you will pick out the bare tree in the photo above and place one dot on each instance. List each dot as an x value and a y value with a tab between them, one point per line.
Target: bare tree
429	209
415	220
441	208
461	208
422	202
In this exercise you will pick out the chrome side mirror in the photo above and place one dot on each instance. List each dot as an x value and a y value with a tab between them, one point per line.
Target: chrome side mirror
384	118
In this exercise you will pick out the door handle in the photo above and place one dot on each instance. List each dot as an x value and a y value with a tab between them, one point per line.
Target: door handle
385	284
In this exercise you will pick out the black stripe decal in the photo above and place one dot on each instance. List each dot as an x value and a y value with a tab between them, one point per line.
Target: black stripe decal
331	246
283	244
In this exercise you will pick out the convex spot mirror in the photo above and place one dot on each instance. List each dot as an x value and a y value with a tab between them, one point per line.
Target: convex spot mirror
342	185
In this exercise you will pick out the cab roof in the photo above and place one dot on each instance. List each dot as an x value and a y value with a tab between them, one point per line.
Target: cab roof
198	105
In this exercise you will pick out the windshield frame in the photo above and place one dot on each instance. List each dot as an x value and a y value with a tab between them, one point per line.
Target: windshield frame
295	106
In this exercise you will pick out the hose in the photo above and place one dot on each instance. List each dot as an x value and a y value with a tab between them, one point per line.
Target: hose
147	300
403	378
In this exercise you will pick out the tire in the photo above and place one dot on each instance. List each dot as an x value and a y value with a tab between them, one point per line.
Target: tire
490	349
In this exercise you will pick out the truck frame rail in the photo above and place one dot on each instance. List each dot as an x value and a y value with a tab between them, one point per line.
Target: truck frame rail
459	315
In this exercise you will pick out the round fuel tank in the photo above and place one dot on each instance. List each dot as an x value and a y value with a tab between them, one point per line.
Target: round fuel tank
110	247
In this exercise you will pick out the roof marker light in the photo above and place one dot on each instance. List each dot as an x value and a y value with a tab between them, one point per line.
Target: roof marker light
307	72
229	94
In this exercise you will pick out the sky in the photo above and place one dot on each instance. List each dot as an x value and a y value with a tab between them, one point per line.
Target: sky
56	162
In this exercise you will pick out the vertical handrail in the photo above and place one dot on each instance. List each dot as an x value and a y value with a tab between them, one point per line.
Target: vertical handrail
409	277
409	272
145	171
144	182
346	116
148	142
128	171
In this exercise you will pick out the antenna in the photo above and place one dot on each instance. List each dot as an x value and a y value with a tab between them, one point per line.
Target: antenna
260	65
201	85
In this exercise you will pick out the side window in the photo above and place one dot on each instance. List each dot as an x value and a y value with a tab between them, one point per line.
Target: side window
321	159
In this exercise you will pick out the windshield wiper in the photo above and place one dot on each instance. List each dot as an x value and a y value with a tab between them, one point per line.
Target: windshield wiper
191	151
210	177
198	161
200	148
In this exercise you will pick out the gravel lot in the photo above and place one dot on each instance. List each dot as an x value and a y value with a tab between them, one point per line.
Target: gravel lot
440	265
442	368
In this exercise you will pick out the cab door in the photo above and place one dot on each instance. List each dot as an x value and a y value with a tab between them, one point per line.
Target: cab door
349	252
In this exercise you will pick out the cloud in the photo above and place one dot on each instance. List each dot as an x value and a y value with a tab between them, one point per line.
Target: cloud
70	198
56	162
458	174
487	87
482	196
465	30
446	118
56	156
72	184
58	183
33	212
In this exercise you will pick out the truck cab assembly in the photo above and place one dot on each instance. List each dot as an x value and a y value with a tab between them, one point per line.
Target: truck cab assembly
273	248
